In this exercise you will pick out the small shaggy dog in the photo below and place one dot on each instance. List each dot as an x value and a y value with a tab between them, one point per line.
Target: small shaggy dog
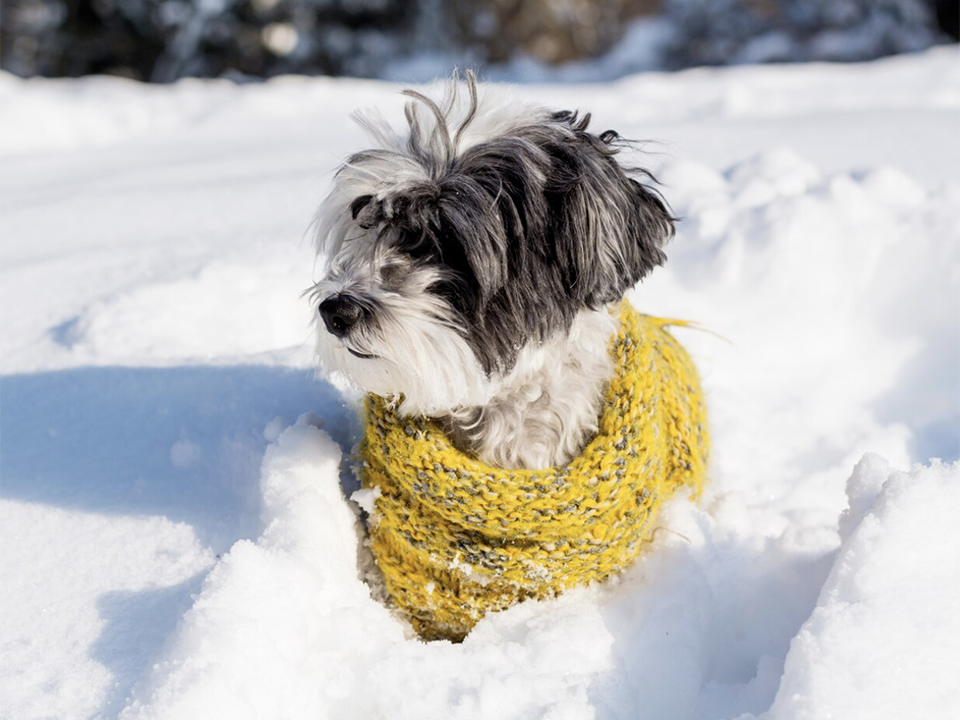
471	266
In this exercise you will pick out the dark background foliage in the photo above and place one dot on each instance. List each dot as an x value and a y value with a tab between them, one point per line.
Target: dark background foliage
162	40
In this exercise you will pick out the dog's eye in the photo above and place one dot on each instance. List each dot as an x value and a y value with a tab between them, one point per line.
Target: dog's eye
456	292
418	245
392	274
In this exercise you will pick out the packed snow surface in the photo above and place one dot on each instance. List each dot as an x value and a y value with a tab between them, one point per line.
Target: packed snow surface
177	540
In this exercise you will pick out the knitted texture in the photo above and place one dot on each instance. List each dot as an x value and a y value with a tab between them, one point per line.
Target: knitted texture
456	538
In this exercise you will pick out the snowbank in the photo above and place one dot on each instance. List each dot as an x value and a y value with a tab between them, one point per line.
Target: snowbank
287	628
876	644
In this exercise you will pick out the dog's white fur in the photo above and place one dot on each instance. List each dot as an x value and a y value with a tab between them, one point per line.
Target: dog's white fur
544	411
537	415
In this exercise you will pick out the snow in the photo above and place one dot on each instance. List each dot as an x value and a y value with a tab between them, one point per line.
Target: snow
881	587
175	540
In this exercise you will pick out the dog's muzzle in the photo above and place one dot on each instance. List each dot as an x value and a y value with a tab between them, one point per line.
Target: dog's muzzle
340	313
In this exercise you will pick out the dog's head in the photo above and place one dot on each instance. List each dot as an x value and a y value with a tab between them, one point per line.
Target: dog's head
486	227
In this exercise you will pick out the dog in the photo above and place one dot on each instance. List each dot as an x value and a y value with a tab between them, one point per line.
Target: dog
472	263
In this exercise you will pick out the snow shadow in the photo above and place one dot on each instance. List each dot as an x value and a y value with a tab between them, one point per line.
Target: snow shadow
702	629
137	626
925	399
185	442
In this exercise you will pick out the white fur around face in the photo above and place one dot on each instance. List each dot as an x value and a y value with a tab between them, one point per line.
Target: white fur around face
538	415
419	354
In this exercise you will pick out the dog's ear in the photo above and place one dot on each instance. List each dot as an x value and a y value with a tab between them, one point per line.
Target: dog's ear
609	229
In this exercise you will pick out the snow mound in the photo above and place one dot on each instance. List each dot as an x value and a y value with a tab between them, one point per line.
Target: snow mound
284	627
884	637
186	319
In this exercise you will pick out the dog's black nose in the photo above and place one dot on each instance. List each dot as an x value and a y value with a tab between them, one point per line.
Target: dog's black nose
340	313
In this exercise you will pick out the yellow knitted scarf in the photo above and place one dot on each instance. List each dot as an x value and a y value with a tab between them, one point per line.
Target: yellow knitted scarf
456	538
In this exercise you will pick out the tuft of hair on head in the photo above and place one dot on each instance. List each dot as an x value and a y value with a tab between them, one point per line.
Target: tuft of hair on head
436	146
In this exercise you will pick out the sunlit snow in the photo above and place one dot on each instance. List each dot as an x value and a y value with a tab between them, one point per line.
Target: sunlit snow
174	537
